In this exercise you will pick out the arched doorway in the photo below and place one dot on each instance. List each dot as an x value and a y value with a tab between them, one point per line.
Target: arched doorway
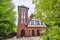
33	33
38	33
22	33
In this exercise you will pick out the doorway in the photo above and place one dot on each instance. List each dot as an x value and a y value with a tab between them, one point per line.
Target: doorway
22	33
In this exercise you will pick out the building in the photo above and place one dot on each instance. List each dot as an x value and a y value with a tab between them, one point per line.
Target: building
28	26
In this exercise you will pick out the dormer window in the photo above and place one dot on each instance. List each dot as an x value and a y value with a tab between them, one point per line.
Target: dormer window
37	22
32	22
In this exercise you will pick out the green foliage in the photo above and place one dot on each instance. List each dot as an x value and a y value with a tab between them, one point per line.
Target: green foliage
32	15
7	17
49	12
52	34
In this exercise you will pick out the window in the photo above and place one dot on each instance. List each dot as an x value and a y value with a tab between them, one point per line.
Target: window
38	33
23	15
32	22
33	33
37	22
23	21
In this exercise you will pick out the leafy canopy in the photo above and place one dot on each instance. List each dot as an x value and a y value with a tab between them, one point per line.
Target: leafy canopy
49	12
7	17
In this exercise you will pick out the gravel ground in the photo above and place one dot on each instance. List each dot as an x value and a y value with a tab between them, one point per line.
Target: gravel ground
26	38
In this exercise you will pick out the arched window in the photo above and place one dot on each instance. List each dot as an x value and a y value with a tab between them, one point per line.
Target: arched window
38	33
33	33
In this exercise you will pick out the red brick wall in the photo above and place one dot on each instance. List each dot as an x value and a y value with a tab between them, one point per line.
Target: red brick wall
28	31
21	26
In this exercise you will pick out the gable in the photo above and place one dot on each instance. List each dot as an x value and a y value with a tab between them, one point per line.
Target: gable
36	23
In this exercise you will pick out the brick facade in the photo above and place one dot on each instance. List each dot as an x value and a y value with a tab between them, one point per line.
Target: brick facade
23	30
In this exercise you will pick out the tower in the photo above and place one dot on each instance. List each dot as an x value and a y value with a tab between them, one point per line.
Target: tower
22	20
22	14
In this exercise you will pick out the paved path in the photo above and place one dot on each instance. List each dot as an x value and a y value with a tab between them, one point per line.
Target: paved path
27	38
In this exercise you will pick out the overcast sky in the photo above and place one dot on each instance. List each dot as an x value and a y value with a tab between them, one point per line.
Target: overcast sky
27	3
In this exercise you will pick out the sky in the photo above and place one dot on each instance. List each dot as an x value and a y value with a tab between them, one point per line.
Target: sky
27	3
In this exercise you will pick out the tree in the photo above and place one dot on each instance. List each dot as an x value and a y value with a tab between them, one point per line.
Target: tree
32	15
49	12
7	17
